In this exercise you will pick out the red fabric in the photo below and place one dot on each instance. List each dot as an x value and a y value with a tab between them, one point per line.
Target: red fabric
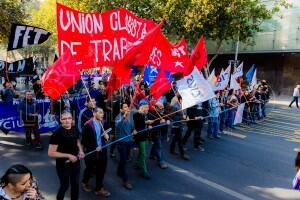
160	86
137	54
60	76
105	34
198	57
172	58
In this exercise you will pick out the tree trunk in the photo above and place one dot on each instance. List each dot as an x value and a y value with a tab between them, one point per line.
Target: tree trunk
206	69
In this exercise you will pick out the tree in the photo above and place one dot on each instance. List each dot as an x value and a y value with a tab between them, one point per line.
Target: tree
11	11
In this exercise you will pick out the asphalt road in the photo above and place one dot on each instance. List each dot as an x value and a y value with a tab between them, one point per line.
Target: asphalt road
249	162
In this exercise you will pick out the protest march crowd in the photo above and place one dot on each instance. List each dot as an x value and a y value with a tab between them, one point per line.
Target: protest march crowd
122	113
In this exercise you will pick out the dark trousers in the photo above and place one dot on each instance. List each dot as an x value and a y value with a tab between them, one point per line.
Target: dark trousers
124	149
177	138
197	134
98	161
32	127
68	174
294	100
157	148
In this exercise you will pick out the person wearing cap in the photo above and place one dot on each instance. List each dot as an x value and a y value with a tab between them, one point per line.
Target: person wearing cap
140	123
296	94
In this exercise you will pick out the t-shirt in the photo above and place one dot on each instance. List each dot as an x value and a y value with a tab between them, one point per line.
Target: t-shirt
66	141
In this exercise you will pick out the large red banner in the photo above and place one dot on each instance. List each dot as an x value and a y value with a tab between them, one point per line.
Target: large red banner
98	39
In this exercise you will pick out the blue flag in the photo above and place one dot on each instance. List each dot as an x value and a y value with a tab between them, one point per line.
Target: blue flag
250	73
150	74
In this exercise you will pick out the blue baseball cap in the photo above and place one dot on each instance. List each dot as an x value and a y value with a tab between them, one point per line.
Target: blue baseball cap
143	102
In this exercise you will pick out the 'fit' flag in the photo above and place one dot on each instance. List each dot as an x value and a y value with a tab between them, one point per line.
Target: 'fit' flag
199	55
238	71
239	114
250	73
24	35
223	79
194	89
253	81
162	84
60	76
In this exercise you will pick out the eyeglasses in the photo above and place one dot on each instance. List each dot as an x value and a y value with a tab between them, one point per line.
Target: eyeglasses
68	118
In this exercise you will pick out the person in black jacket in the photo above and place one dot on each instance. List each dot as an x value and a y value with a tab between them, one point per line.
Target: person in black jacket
140	122
29	109
94	137
86	113
194	124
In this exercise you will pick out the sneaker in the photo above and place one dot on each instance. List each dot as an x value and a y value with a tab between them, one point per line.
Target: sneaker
163	165
85	187
127	185
185	157
103	192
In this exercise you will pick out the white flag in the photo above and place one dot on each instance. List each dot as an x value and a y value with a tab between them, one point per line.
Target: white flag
194	89
253	81
239	114
211	78
223	79
238	71
234	84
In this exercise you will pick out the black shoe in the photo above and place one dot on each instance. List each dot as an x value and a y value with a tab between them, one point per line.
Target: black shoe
146	176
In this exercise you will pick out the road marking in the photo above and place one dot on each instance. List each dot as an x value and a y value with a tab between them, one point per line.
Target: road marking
298	125
209	183
235	134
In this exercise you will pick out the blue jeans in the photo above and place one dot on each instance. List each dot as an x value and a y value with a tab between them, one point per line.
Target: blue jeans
213	126
123	148
157	148
223	120
231	115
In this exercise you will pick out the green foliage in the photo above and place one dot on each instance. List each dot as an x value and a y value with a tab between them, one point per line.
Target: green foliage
11	11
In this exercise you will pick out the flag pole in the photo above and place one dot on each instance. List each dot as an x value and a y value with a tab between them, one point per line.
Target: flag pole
6	68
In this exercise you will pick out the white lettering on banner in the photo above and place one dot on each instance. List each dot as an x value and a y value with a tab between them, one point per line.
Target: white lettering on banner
82	23
9	123
70	46
26	36
117	49
11	67
178	52
17	35
156	56
2	65
39	32
21	65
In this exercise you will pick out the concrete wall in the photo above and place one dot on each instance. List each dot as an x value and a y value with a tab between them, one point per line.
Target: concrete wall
281	70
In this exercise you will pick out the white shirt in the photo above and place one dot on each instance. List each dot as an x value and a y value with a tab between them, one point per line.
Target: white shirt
296	92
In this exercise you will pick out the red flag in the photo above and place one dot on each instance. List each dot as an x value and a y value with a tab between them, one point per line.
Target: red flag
198	57
60	76
139	51
161	85
137	54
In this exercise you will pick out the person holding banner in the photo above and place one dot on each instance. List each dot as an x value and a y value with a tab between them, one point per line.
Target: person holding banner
213	120
94	137
140	122
29	110
177	129
65	145
124	129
